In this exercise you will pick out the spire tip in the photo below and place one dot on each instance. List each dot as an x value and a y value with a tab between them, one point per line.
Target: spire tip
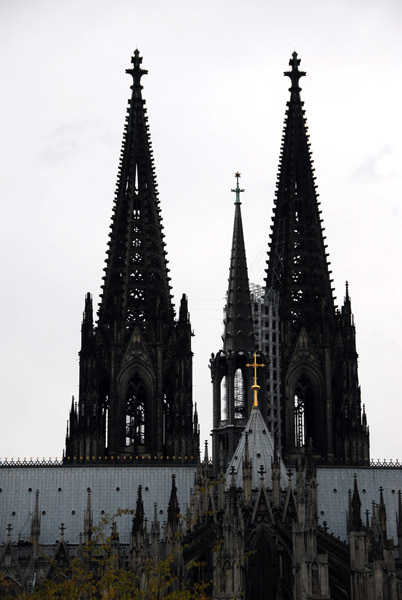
295	74
136	72
237	189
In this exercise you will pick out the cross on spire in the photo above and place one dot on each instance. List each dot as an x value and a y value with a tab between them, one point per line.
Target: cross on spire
262	471
237	189
9	529
255	386
294	74
62	529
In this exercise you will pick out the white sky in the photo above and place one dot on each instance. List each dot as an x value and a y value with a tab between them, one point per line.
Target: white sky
216	101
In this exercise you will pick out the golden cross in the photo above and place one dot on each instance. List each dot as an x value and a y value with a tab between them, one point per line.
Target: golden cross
255	387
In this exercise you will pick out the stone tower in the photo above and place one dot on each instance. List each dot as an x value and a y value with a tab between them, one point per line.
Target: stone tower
231	377
319	389
135	395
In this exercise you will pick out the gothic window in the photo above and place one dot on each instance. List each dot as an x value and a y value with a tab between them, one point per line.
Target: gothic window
302	404
315	582
135	411
299	420
262	571
239	399
224	399
168	400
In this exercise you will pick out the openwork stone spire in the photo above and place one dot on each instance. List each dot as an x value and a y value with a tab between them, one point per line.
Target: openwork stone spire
298	264
319	397
136	363
136	284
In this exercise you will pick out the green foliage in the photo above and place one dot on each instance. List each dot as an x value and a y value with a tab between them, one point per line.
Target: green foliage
96	574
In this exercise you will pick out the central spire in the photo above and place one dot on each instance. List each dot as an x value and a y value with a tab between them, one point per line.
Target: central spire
231	378
238	334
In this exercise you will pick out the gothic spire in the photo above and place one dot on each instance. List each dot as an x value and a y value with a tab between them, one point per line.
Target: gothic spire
297	264
136	283
355	506
138	521
173	508
88	518
35	521
238	334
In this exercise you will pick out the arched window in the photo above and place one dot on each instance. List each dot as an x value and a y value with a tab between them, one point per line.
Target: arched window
315	581
262	571
302	404
135	411
239	399
299	421
167	415
224	399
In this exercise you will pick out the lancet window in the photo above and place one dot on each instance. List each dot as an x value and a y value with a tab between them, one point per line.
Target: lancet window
135	411
224	399
299	420
302	398
167	415
239	396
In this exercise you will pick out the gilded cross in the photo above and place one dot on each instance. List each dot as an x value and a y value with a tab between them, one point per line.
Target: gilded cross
255	386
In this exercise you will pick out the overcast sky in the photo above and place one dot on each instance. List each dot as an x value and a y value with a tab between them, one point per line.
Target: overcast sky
216	100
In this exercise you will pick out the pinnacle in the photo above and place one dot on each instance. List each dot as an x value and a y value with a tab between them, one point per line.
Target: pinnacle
136	72
294	74
237	189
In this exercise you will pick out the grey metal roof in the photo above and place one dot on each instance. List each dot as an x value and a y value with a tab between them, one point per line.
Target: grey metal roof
63	496
332	495
261	452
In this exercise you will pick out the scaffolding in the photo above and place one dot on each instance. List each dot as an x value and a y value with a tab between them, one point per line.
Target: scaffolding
265	312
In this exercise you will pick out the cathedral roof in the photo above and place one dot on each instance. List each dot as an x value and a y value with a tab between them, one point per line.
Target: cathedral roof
256	446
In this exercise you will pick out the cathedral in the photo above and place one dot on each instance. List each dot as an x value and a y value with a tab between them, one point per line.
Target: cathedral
289	505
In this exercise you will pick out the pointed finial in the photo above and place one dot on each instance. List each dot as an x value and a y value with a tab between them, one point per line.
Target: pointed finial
347	289
206	458
136	72
237	190
247	452
62	530
294	74
367	513
232	474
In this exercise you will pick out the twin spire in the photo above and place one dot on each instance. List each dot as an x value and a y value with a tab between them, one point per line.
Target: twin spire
136	283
